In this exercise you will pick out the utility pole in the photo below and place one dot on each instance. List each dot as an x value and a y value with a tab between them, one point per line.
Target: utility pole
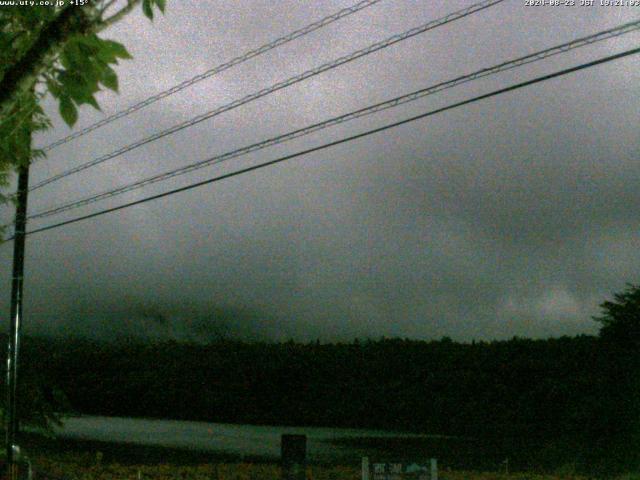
16	318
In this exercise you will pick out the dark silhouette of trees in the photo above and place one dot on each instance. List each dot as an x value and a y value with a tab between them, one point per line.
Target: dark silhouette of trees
620	318
569	399
615	423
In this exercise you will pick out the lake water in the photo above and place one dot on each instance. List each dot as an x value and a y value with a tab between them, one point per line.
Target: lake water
243	440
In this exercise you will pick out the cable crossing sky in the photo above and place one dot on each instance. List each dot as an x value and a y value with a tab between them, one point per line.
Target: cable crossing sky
518	62
494	93
278	86
301	32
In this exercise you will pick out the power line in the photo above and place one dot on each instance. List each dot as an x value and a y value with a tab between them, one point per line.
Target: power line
278	86
344	140
218	69
527	59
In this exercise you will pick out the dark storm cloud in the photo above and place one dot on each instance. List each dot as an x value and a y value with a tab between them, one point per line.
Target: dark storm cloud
513	216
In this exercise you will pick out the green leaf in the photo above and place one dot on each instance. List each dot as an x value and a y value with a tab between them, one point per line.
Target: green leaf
92	74
68	111
76	87
109	79
72	54
87	49
65	59
161	5
106	56
93	102
38	154
146	9
54	87
93	40
116	49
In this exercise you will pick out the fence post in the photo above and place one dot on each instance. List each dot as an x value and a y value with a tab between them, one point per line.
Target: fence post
293	452
365	468
434	469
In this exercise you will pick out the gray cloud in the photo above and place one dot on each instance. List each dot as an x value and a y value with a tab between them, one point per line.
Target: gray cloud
512	216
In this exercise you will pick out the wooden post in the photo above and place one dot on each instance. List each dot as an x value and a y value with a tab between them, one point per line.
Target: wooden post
365	468
293	451
434	469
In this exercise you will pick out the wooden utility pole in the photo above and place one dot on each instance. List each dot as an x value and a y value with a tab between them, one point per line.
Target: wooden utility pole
13	346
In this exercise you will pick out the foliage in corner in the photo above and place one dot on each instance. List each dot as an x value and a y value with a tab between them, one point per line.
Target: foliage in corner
54	50
85	63
147	7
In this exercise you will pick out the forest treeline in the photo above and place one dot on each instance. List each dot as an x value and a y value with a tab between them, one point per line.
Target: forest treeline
534	386
579	396
573	394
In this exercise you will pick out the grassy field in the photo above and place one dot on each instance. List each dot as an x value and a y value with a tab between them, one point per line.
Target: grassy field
74	469
89	460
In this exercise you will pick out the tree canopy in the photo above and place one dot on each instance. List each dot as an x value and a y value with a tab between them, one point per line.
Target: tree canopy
57	51
620	318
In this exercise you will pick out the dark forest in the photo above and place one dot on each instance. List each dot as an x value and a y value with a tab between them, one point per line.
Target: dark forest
574	398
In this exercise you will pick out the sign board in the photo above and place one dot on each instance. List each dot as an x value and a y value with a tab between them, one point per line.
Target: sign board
293	452
390	470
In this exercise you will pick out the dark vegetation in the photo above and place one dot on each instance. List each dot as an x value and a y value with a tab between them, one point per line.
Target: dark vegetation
547	402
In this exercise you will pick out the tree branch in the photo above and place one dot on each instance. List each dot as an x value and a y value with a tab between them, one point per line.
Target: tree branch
23	74
131	4
108	5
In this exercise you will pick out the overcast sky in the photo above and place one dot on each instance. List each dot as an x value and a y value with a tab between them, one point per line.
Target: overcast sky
516	215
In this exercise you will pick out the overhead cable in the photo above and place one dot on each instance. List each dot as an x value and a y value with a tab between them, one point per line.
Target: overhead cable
518	62
278	86
312	27
341	141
